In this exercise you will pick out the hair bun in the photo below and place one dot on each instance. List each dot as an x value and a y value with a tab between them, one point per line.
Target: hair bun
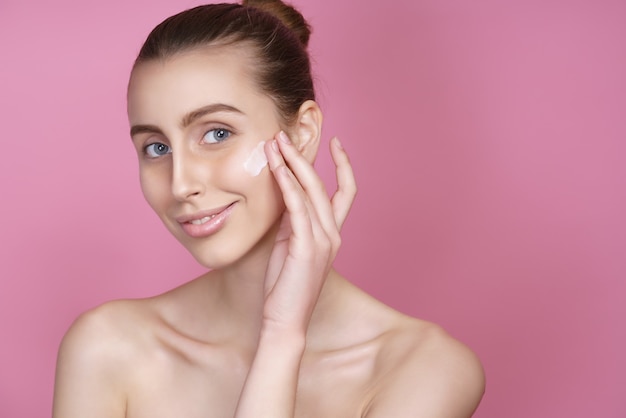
287	14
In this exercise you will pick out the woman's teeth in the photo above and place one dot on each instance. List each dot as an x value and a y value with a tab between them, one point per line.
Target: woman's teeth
201	221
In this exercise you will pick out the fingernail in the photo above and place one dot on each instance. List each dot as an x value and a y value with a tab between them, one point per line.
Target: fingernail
338	143
274	145
283	137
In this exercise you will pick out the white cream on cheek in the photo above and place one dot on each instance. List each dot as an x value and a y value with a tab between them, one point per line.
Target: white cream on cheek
256	160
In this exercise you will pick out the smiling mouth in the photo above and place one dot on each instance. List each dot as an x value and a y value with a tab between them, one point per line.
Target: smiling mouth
204	216
204	224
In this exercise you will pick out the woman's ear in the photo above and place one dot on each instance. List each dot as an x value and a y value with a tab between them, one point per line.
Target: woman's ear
308	129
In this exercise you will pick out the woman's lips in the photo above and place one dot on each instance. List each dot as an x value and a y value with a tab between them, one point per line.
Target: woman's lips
204	224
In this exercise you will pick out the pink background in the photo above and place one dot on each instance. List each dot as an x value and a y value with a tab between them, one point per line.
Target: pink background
488	138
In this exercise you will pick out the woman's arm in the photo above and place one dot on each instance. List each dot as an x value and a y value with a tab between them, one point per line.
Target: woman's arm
306	245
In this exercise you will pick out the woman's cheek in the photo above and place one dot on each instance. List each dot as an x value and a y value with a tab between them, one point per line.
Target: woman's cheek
247	163
156	188
256	160
253	177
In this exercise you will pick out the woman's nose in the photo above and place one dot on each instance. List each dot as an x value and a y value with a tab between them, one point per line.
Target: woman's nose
188	175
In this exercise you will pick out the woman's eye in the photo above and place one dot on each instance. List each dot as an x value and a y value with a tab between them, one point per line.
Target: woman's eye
216	135
157	150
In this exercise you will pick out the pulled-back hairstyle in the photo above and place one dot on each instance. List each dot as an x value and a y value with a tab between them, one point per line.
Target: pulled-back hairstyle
277	33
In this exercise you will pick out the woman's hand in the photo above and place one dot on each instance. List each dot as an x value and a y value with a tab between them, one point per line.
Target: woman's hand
306	244
308	238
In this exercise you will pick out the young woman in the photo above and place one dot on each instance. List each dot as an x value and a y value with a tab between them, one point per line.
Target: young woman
224	119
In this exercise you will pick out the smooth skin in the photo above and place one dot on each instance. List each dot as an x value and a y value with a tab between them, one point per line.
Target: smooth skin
273	330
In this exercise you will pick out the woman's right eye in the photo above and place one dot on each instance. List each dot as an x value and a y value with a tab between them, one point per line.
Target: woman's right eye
157	149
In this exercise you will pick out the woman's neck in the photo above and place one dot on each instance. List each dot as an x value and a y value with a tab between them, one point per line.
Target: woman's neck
239	288
239	294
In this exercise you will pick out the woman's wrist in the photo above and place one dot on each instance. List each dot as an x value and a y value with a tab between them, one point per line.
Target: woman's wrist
287	339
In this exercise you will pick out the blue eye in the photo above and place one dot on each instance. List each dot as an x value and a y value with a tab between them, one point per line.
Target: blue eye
216	135
157	150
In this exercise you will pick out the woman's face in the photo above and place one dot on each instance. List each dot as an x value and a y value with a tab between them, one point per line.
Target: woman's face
197	120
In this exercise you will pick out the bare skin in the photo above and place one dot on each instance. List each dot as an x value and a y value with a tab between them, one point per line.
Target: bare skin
273	330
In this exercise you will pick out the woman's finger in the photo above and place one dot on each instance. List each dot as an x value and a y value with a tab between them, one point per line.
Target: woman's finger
346	184
304	221
311	184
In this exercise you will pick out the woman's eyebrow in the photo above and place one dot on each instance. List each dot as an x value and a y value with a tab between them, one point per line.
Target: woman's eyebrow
138	129
190	117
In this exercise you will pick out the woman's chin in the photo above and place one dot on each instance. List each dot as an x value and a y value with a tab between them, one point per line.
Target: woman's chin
221	258
215	260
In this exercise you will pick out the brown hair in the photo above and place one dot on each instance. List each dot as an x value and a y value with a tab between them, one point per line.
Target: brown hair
277	32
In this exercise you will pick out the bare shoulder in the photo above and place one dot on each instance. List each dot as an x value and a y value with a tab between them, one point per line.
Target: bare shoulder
101	331
93	360
427	374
